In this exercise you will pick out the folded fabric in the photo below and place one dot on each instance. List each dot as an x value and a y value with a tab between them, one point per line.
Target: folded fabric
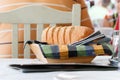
67	51
95	37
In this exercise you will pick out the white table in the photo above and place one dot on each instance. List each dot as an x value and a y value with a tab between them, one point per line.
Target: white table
7	73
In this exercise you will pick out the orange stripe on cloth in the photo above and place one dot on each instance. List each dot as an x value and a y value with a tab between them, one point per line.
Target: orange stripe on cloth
63	49
98	49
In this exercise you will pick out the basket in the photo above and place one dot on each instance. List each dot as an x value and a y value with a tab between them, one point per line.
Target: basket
44	55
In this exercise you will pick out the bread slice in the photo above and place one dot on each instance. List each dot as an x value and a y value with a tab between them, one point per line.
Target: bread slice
55	35
50	35
44	34
80	32
68	34
61	36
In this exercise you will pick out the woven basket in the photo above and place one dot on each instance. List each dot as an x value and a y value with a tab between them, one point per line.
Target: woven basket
37	51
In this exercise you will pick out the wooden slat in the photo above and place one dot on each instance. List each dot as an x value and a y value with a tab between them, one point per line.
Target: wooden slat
39	31
76	16
53	24
15	41
26	38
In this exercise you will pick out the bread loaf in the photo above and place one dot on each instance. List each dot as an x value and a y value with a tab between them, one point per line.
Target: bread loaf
65	35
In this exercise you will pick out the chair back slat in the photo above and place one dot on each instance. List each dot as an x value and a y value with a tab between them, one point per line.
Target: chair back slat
76	16
39	31
15	40
53	24
27	30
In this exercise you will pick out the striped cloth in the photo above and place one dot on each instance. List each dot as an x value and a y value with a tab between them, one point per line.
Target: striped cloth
68	51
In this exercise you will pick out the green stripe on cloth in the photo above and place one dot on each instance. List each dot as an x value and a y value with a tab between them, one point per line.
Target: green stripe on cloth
81	50
47	51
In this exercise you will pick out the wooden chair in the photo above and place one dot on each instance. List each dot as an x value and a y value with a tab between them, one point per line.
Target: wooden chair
36	14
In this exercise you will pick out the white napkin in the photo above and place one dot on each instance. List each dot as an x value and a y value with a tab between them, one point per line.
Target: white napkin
88	75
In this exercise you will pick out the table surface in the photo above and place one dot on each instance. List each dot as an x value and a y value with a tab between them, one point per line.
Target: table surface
7	73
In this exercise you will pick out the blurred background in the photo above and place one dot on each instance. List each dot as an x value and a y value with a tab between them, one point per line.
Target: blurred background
104	15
